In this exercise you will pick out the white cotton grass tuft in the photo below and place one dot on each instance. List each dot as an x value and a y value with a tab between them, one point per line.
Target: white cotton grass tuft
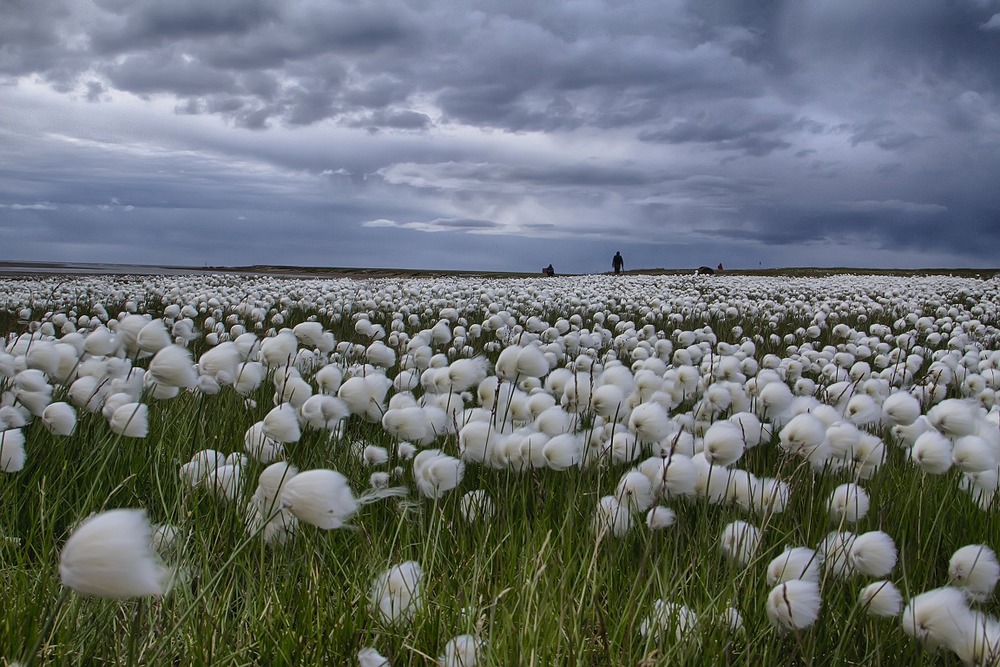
794	604
954	417
932	452
59	419
369	657
249	376
634	491
323	412
12	455
723	443
282	424
836	549
669	616
320	497
260	446
564	451
973	454
939	617
461	651
881	598
436	473
739	542
974	569
173	366
612	517
476	506
901	408
467	373
848	503
131	420
649	422
397	594
802	434
111	555
872	554
795	563
323	498
660	517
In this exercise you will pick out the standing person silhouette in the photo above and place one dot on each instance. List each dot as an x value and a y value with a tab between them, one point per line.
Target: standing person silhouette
618	263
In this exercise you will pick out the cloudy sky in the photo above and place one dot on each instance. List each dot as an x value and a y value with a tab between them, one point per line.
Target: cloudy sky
501	134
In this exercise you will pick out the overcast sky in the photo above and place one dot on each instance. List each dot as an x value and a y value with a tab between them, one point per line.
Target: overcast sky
501	134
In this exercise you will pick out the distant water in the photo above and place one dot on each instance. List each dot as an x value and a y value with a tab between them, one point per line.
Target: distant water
60	268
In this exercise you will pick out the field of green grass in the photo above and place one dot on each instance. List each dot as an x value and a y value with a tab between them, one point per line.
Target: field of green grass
536	579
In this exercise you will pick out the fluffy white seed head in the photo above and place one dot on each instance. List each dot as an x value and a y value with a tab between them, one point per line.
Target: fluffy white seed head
397	594
612	517
111	555
739	542
131	420
794	605
932	452
723	443
939	617
173	366
12	456
59	418
436	473
635	491
900	408
973	453
881	598
802	434
872	554
974	569
649	422
660	517
461	651
849	503
281	423
795	563
954	417
322	498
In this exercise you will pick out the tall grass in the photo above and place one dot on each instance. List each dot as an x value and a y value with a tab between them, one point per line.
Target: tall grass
536	582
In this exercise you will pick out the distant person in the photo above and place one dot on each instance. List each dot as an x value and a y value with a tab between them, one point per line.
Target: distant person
719	267
548	271
618	263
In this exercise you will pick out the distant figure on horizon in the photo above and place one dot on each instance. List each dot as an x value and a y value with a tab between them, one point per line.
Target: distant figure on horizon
548	271
618	262
719	267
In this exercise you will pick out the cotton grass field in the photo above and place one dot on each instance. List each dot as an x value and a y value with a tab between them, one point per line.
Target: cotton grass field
642	470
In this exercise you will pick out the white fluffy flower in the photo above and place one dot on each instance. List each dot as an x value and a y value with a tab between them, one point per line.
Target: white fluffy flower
131	420
660	517
974	569
111	555
739	542
611	516
462	651
881	598
436	473
872	554
12	450
794	604
795	563
319	497
396	594
848	502
59	418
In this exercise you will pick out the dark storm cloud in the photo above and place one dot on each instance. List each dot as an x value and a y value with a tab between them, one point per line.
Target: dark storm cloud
711	126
